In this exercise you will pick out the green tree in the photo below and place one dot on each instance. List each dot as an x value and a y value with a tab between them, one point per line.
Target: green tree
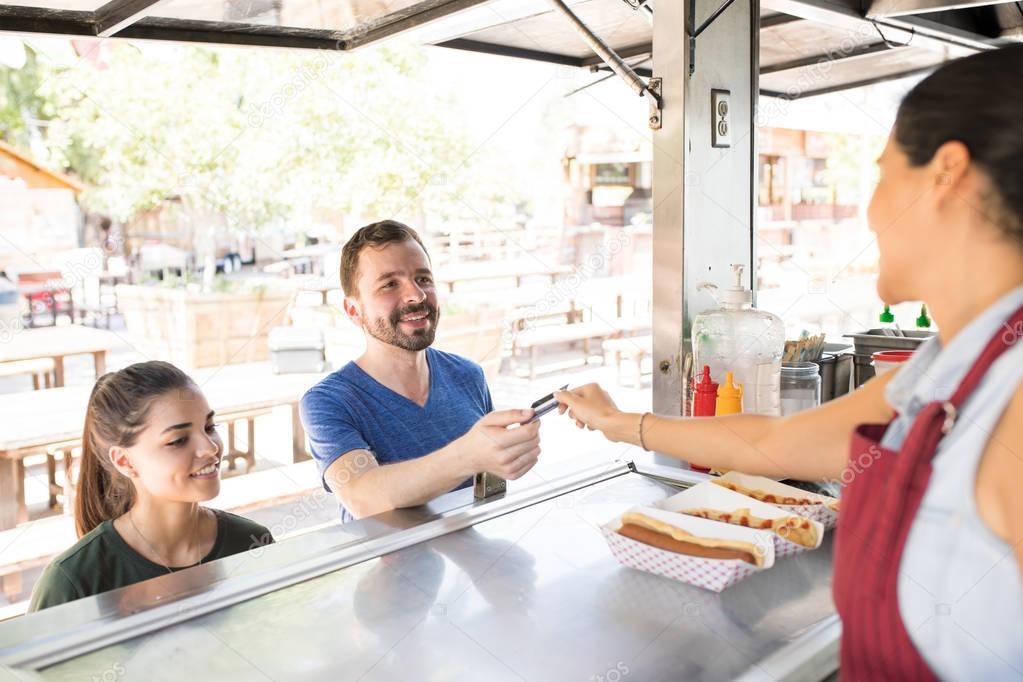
254	134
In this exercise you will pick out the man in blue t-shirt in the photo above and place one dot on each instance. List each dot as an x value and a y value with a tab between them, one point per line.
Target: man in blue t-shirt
404	423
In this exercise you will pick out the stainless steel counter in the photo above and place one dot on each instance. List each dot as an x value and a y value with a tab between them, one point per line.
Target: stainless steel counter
522	588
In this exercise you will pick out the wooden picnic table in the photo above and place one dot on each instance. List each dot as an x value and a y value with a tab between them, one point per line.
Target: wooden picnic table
57	343
631	348
319	285
599	328
618	288
477	272
453	274
309	259
50	422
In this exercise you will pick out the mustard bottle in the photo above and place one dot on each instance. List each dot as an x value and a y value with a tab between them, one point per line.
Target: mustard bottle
729	397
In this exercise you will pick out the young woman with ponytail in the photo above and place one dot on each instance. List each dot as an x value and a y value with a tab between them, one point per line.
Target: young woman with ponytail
150	455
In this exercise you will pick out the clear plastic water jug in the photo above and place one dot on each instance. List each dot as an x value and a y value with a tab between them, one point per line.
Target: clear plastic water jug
747	342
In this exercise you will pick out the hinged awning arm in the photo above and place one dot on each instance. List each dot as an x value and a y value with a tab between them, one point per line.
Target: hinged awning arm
651	89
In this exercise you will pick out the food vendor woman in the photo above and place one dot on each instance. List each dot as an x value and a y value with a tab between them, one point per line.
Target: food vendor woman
929	547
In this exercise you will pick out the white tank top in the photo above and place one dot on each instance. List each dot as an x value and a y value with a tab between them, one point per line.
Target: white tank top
960	586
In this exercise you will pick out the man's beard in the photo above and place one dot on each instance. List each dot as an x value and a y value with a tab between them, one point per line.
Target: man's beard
388	331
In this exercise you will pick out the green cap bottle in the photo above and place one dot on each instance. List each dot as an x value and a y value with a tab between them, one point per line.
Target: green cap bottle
923	322
887	317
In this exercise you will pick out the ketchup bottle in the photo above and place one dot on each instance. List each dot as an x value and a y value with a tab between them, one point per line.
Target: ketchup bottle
704	403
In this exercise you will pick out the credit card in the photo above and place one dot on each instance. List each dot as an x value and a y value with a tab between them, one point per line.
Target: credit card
544	405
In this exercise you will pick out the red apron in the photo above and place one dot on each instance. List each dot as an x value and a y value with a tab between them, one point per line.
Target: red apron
879	504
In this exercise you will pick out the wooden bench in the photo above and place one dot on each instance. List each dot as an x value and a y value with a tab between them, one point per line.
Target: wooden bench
579	332
524	317
50	422
57	343
481	339
633	349
41	370
35	544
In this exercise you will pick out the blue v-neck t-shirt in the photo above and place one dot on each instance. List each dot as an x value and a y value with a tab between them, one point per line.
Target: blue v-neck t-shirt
350	410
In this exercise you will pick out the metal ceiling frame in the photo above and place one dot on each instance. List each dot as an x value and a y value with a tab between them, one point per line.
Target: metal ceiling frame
894	32
217	32
596	65
847	86
119	14
625	53
779	19
594	62
514	52
924	32
897	8
130	19
830	57
82	24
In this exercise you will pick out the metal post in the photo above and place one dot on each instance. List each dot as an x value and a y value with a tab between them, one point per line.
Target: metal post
704	203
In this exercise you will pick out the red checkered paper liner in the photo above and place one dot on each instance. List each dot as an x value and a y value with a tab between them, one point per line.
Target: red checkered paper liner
820	513
710	574
708	495
815	512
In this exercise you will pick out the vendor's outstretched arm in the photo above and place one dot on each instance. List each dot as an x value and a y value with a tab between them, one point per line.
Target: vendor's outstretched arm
810	445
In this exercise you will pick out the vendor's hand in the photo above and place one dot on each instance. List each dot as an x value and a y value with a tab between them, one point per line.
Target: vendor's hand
496	449
589	406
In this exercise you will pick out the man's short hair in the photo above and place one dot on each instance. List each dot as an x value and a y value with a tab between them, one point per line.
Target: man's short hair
375	235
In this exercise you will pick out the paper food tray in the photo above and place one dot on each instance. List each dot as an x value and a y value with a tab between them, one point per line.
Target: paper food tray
710	574
818	512
710	496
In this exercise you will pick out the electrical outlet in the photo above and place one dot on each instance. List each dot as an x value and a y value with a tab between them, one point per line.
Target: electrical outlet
721	118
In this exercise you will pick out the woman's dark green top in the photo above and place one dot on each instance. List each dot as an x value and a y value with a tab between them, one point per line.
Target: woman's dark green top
102	560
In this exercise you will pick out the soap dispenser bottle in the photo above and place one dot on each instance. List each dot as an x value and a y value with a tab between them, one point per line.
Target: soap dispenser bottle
749	343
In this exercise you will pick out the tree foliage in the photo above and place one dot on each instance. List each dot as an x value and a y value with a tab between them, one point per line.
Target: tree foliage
254	134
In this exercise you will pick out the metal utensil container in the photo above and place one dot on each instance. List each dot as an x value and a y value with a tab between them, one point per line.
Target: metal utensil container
836	375
869	342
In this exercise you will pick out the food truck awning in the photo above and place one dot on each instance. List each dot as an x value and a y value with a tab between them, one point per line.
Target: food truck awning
807	47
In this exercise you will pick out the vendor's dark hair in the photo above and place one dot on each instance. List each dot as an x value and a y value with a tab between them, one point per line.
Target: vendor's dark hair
976	100
375	235
117	413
